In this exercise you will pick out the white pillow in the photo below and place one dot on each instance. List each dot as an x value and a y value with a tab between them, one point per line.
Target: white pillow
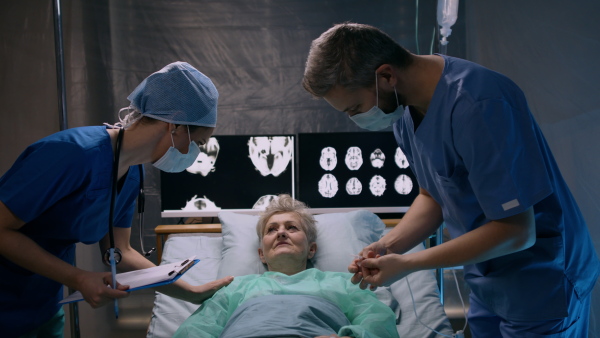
339	237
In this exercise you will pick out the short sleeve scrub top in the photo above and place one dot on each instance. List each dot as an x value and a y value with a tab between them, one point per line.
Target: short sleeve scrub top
60	187
480	154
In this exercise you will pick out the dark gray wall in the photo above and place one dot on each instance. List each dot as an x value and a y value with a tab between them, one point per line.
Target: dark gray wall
255	51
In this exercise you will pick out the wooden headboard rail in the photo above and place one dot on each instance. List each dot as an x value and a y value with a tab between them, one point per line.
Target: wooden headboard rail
163	231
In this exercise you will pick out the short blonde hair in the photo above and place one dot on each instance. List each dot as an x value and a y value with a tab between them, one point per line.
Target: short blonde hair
286	204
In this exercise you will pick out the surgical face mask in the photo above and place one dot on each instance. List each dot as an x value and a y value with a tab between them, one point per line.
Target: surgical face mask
375	119
173	161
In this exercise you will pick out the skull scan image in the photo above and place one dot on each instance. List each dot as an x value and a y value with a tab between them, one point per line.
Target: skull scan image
328	186
200	203
263	202
377	185
270	154
403	185
353	186
205	162
400	159
354	158
377	158
328	159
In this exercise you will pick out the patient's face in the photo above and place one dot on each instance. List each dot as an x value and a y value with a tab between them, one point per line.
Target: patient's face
284	243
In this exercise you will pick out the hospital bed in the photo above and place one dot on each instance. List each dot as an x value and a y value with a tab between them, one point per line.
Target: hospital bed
230	248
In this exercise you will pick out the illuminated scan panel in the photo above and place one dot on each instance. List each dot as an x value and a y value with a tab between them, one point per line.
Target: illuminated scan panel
232	172
369	180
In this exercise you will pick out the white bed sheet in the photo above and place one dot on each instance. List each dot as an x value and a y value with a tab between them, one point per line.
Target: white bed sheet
168	313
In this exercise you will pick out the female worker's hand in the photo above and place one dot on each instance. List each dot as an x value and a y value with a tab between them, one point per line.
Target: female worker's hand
96	288
205	291
383	270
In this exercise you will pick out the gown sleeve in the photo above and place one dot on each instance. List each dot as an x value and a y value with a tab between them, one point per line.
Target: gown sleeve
368	316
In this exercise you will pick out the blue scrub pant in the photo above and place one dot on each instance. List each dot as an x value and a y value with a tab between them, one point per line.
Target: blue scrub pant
486	324
53	328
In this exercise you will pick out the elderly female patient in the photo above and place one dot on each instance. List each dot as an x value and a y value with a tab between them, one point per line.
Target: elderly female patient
290	300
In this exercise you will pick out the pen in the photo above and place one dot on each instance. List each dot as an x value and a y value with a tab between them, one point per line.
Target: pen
113	269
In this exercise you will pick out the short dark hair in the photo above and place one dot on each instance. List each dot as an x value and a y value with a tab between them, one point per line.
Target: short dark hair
347	55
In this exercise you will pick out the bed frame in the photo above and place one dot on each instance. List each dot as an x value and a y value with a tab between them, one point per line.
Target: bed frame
163	231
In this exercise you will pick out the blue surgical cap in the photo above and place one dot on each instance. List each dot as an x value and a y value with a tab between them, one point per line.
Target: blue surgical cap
178	94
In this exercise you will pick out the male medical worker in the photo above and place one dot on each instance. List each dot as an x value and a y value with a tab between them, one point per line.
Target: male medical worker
484	169
58	193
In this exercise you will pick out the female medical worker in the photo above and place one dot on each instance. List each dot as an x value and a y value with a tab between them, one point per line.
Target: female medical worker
484	169
58	193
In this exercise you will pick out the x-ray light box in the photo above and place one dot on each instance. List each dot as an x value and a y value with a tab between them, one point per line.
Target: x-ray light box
354	170
233	172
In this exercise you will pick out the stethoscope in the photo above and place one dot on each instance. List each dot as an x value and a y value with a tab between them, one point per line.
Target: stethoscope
118	256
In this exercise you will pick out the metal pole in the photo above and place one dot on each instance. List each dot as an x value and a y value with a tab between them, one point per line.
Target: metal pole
63	123
60	66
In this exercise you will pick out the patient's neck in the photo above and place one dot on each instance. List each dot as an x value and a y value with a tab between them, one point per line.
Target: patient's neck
286	266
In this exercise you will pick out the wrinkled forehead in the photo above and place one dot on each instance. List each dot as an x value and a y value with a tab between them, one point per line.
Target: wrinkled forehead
282	218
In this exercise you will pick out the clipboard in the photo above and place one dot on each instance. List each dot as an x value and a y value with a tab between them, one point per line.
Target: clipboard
145	278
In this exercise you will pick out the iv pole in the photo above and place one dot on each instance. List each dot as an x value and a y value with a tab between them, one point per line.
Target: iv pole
62	118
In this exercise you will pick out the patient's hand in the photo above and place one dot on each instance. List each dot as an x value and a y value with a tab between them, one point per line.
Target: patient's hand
370	251
205	291
383	270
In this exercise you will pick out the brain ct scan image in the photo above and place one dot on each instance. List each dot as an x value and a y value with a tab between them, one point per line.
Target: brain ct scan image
328	159
400	159
353	186
263	202
354	158
361	165
377	158
205	162
328	186
270	154
377	185
403	185
200	203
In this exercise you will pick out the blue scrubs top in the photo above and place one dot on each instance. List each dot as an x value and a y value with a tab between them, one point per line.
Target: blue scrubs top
60	187
480	154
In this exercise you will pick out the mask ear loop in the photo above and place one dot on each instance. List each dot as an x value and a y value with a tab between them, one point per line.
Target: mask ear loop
376	90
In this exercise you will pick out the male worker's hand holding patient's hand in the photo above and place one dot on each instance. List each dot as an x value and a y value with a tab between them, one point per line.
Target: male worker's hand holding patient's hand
378	266
373	250
382	270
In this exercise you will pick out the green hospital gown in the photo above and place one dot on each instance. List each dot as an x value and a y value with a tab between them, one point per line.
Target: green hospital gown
368	316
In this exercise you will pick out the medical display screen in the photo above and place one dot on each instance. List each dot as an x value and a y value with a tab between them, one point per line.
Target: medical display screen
359	169
232	172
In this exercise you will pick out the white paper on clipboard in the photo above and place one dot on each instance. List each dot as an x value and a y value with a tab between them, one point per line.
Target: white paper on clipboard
145	278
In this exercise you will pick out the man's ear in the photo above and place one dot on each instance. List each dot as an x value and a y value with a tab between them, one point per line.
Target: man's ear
312	250
262	256
386	75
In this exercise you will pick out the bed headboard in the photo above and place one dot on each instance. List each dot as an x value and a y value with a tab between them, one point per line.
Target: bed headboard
163	231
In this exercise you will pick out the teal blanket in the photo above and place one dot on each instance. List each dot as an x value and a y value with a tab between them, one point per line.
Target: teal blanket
365	315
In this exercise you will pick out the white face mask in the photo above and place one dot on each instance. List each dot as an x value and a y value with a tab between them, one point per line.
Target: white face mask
375	119
173	161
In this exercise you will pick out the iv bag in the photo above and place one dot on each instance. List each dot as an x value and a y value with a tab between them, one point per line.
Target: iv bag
447	11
